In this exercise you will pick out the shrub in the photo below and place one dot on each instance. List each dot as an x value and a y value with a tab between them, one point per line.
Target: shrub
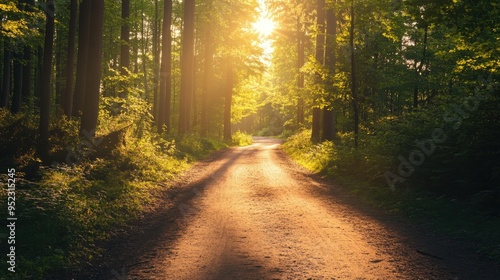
242	139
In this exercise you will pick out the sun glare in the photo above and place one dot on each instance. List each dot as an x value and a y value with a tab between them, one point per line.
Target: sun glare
264	26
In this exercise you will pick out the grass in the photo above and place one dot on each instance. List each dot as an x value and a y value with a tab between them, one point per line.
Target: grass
450	216
63	211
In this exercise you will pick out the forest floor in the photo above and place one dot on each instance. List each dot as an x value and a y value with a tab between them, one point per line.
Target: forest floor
251	213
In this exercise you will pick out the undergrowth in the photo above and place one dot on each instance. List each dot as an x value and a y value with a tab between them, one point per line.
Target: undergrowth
93	188
355	168
242	139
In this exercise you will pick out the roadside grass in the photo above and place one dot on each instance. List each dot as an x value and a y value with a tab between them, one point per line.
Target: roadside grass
456	218
64	210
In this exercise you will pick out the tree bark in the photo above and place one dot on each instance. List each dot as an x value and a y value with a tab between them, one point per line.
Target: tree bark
187	68
28	63
300	75
166	68
207	82
156	38
320	53
70	63
353	78
7	66
83	53
330	63
18	84
228	101
94	70
418	70
27	76
125	46
46	74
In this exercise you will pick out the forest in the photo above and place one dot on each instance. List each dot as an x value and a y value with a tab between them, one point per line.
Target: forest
103	102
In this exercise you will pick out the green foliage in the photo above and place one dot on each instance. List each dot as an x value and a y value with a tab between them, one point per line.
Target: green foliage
18	22
68	209
472	218
315	157
242	139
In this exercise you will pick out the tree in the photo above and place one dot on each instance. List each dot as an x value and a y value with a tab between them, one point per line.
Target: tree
187	68
300	76
7	66
330	62
27	57
68	92
83	54
94	70
18	83
46	74
354	93
166	68
320	53
228	100
125	45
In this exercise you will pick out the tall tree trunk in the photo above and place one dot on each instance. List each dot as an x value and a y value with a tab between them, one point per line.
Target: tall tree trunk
46	74
207	82
418	70
28	63
330	61
60	71
320	53
125	47
353	78
18	84
228	101
70	63
83	54
187	68
156	37
300	75
166	68
27	76
7	66
144	62
38	75
94	70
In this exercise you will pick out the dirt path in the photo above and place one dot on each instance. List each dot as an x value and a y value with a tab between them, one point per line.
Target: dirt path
250	213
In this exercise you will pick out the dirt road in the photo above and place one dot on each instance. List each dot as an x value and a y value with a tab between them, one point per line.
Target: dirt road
250	213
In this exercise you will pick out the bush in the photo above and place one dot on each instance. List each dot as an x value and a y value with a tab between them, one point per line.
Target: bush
242	139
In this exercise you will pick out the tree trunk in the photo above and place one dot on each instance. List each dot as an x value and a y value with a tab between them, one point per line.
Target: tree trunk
418	70
353	78
83	54
320	53
207	82
45	77
7	66
330	62
60	71
93	76
187	68
166	68
125	47
70	64
27	76
228	101
18	84
300	75
156	37
28	63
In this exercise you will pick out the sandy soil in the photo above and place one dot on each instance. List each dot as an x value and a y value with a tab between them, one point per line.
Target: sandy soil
251	213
